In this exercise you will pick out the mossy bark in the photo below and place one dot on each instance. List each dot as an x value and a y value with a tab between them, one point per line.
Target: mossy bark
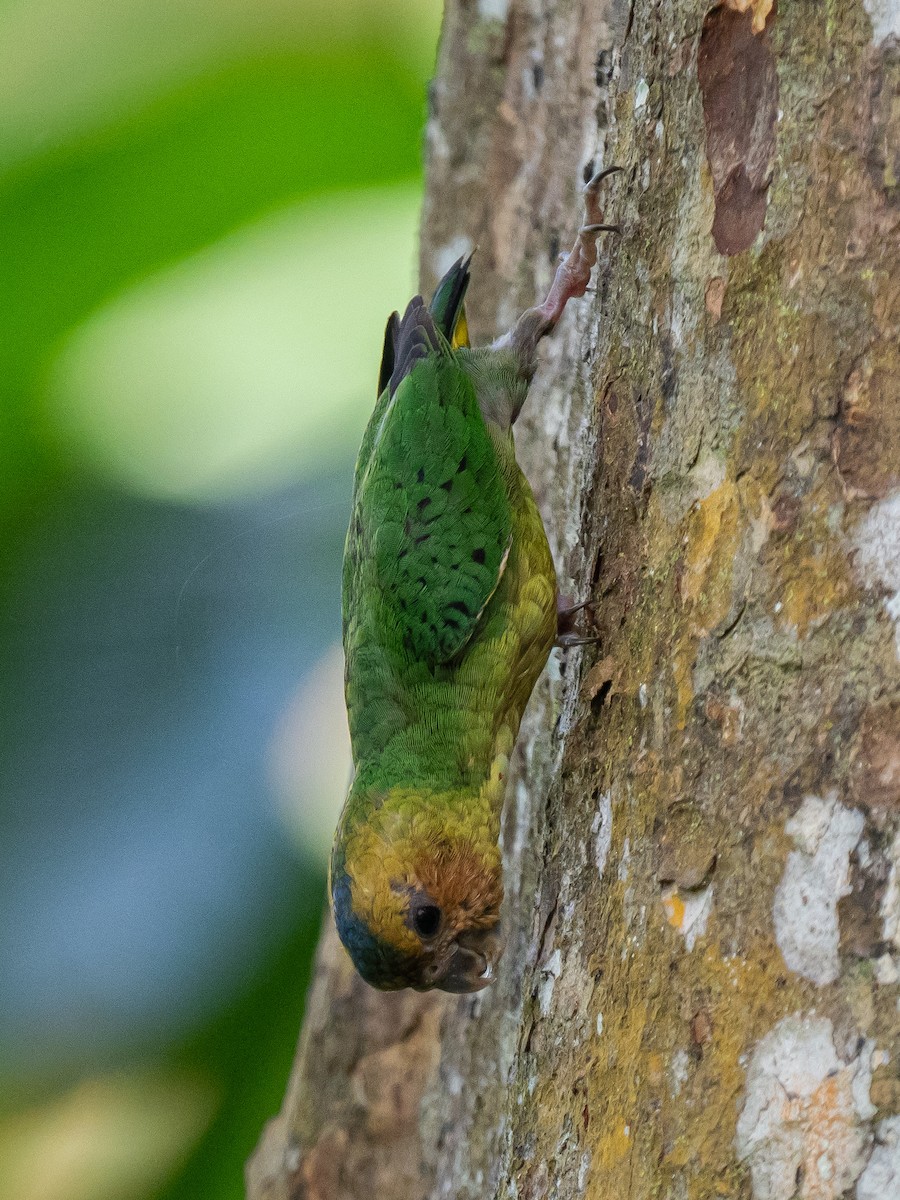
700	993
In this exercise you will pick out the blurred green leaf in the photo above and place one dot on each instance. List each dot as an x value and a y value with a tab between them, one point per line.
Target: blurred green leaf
249	1050
68	66
82	224
247	363
145	148
111	1137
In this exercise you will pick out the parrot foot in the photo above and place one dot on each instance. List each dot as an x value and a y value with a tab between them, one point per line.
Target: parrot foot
567	633
568	641
571	280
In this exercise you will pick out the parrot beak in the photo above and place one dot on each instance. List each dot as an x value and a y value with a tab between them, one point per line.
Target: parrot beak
472	965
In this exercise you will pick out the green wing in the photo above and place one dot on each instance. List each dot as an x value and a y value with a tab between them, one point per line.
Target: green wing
430	525
432	511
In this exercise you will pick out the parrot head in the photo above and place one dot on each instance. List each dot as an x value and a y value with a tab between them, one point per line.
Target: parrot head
416	897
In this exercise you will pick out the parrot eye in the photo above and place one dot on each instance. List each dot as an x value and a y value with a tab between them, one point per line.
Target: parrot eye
426	920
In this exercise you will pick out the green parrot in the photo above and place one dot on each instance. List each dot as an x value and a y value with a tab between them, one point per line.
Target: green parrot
449	615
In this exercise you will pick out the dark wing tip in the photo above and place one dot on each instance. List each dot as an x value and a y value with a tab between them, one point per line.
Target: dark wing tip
416	337
389	351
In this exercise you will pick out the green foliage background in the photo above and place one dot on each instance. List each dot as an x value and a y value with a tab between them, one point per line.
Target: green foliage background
154	158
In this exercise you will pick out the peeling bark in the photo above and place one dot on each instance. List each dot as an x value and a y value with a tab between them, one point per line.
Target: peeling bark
700	992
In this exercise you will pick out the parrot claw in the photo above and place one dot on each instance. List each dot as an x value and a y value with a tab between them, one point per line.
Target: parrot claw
565	609
567	634
597	178
571	281
568	641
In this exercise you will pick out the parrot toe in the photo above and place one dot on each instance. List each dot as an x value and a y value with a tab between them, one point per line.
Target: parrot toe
601	229
596	179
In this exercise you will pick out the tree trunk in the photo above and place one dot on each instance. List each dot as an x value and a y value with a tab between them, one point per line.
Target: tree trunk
699	995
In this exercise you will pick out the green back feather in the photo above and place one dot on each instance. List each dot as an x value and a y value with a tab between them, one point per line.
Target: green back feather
437	512
428	539
430	528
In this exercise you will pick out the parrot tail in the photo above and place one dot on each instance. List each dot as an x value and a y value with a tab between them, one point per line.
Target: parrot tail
447	304
421	330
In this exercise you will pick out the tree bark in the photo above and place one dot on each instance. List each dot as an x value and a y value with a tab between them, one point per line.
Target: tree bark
699	995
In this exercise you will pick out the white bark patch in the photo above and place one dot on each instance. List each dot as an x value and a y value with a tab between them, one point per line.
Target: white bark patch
549	975
583	1167
624	861
566	904
493	10
601	828
864	1059
885	18
445	256
886	972
878	554
881	1178
678	1072
803	1113
688	912
707	474
816	876
570	996
890	901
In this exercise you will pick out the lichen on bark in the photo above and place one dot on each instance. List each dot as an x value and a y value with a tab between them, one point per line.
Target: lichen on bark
714	440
